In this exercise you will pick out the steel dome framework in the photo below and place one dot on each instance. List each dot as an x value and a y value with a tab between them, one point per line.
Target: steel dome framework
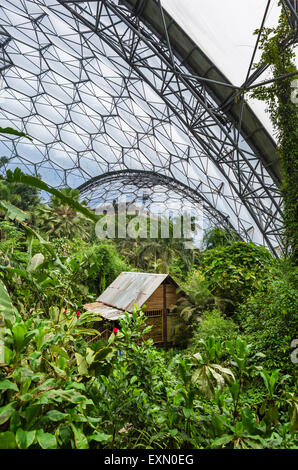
115	93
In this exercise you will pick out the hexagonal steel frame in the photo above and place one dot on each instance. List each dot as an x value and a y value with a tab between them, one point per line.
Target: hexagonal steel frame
180	131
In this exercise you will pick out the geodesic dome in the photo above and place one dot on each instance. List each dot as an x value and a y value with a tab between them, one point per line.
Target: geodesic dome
120	97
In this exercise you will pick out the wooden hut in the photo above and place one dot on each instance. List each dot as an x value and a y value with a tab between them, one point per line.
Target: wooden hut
156	294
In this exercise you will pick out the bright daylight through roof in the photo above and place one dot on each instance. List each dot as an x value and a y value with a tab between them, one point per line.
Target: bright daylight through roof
148	224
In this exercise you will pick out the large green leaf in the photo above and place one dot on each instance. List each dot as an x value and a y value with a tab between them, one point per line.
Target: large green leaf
55	415
7	440
46	440
35	261
101	354
6	306
25	438
13	212
8	385
19	177
19	331
81	441
223	440
11	131
100	437
32	233
82	364
8	354
5	413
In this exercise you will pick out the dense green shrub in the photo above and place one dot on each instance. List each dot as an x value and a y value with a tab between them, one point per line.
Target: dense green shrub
278	51
214	323
234	271
67	272
59	388
268	318
216	237
190	307
44	401
12	244
95	266
60	391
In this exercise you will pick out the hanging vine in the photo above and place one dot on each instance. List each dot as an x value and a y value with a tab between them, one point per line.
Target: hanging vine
281	97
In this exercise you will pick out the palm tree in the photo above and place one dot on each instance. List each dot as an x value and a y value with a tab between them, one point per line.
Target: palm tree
60	220
190	308
128	247
217	236
158	254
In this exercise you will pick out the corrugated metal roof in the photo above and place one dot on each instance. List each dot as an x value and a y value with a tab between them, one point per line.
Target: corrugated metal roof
109	313
131	288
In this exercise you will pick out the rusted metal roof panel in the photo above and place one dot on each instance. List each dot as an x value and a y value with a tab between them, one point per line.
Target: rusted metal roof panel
131	288
109	313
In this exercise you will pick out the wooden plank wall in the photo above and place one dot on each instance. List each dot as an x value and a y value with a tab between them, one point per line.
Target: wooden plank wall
156	330
172	296
155	302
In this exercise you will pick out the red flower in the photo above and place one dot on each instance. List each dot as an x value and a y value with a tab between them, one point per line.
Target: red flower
78	314
65	311
115	331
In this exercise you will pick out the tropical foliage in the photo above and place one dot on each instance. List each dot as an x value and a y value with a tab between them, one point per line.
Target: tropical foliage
229	380
59	220
231	383
278	51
